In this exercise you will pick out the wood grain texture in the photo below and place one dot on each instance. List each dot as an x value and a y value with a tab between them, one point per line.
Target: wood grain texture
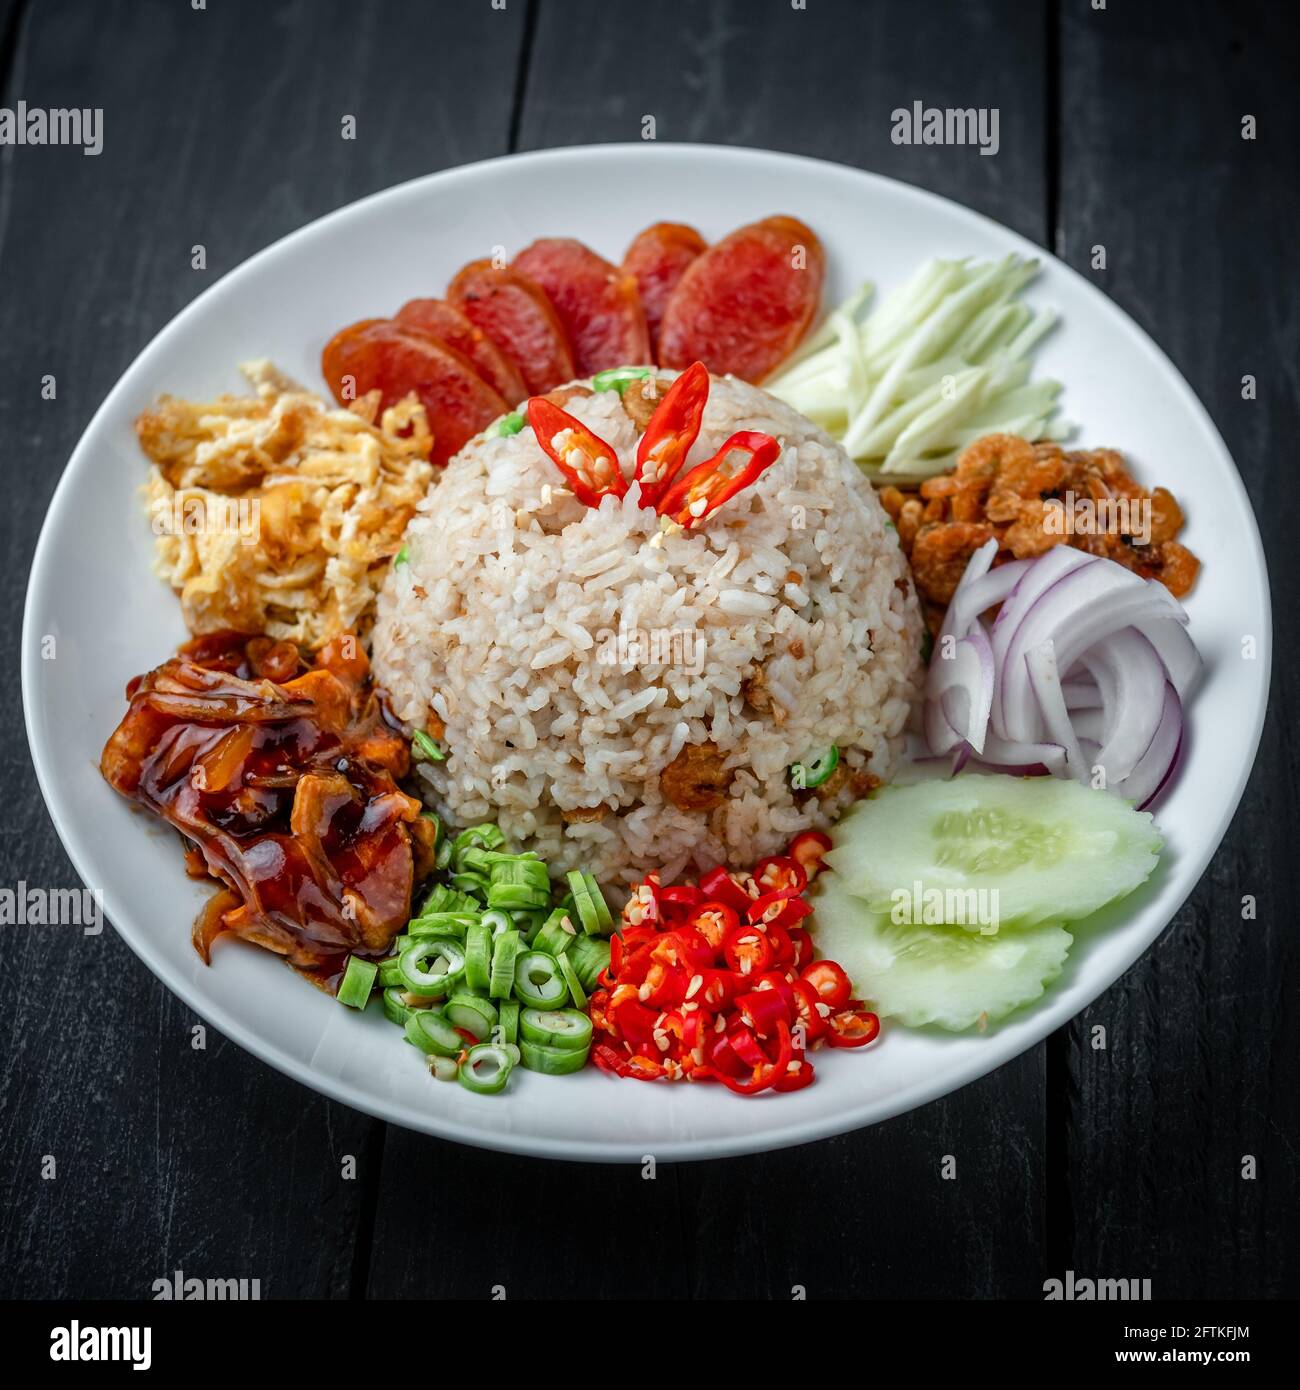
221	127
1202	1032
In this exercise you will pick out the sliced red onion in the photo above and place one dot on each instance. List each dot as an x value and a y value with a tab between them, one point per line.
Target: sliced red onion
1086	665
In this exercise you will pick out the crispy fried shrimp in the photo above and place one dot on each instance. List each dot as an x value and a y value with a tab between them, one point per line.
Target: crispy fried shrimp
1166	517
697	778
1178	568
940	553
1029	534
909	521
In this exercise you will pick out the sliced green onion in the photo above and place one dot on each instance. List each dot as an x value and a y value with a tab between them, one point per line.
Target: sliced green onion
519	883
539	981
470	883
554	1061
576	992
589	956
396	1010
446	960
442	856
507	1029
444	1068
471	1013
402	557
583	903
505	952
437	826
485	1070
433	1034
390	972
497	921
444	899
617	378
483	836
426	748
812	772
557	934
478	956
566	1028
506	426
442	924
358	980
603	914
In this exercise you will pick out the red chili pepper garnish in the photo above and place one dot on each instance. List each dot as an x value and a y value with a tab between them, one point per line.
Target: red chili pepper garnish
768	1071
708	485
718	886
589	464
853	1029
746	950
808	849
830	982
708	983
673	428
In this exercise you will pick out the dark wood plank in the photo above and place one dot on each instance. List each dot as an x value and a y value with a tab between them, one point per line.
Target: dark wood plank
867	1214
221	127
1199	226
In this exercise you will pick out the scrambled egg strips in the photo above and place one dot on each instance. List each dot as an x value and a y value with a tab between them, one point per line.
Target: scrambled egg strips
278	513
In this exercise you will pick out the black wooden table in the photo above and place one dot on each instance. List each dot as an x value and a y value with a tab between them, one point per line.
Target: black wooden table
1119	127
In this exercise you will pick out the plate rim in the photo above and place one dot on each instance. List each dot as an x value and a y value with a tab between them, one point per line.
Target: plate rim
1050	1015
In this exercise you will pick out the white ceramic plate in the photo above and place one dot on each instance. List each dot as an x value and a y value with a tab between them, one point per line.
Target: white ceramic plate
93	591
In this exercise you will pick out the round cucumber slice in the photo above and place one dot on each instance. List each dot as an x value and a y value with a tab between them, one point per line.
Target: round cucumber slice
988	851
922	974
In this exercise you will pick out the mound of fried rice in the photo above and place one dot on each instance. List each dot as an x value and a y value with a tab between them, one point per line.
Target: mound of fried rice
566	656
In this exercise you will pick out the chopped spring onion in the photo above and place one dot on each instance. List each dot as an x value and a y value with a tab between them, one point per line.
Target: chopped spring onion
507	1029
402	557
539	981
433	1034
390	973
576	992
444	899
519	883
557	934
603	915
584	904
941	361
617	378
486	1069
358	980
446	964
812	772
507	425
478	956
566	1028
484	836
554	1061
441	924
497	921
471	1013
589	956
426	749
505	952
396	1009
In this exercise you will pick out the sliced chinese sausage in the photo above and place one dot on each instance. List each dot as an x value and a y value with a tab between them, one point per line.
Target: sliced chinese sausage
520	320
446	322
743	305
657	260
379	354
598	304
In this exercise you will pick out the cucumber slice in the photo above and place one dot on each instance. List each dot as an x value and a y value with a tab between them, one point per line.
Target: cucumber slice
934	974
1008	849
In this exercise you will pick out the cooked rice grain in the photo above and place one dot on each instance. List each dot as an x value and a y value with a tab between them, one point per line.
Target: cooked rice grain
572	653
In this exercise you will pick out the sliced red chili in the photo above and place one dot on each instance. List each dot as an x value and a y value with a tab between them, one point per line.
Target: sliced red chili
746	950
709	484
745	1045
794	911
717	990
854	1028
762	1010
830	982
801	940
673	428
607	1059
679	901
782	947
724	1058
714	921
776	980
798	1074
780	874
808	1015
767	1072
590	465
635	1022
808	848
718	886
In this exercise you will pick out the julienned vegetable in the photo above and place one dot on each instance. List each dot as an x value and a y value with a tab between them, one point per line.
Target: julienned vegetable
947	898
489	940
715	981
1082	674
941	361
